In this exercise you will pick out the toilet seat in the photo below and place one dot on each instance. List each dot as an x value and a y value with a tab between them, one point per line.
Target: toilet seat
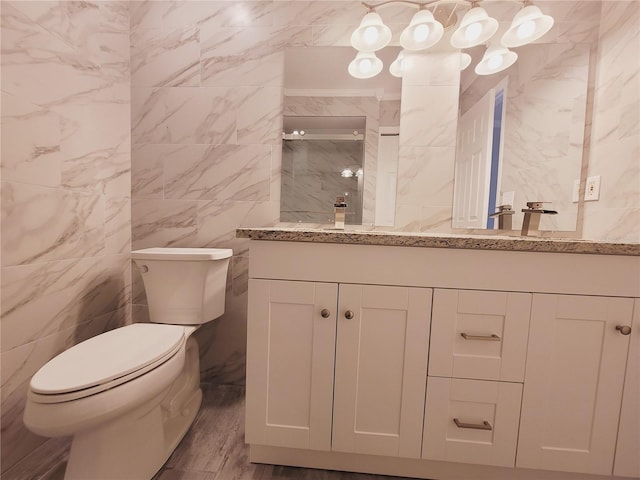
106	361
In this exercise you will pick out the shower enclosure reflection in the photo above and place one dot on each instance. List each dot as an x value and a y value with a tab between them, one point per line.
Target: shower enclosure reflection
322	158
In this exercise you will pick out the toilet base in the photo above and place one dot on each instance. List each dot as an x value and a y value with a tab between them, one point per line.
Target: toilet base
136	445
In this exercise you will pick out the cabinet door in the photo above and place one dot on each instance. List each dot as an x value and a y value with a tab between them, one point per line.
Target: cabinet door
573	383
471	421
627	462
381	369
478	334
290	360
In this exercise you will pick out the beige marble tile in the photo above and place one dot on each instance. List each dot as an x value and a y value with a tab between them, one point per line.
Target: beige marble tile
43	299
162	57
117	225
43	224
217	172
30	143
183	115
260	115
163	223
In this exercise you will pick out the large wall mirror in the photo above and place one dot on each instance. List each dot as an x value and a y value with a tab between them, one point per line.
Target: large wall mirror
540	104
323	99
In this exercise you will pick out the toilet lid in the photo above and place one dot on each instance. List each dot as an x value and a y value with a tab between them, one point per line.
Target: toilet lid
107	357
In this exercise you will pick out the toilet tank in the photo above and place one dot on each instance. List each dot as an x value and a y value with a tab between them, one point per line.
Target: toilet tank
184	286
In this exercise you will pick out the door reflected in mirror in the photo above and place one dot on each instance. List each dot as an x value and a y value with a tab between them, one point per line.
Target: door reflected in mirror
521	137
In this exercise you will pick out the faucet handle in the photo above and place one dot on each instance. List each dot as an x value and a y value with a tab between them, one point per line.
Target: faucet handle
535	205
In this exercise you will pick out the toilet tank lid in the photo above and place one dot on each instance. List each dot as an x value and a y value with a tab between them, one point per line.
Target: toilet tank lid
108	356
176	253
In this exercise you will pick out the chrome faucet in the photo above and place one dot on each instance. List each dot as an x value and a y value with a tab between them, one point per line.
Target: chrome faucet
531	222
505	215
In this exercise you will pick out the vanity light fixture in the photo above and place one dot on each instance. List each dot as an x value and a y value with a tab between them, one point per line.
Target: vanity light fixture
475	28
427	28
528	25
465	60
347	173
365	65
395	68
372	34
496	58
423	31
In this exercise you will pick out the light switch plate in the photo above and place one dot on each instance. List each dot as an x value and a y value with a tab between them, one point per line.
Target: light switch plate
508	198
592	189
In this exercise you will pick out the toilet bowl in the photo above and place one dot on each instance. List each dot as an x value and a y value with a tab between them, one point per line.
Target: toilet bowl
128	396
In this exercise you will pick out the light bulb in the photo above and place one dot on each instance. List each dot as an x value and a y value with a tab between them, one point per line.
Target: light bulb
365	65
370	35
421	32
295	132
473	31
526	29
495	61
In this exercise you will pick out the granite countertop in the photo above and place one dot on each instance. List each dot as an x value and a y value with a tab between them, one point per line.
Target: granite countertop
433	240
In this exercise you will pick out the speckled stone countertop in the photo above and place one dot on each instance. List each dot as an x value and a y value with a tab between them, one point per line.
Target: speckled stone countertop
431	240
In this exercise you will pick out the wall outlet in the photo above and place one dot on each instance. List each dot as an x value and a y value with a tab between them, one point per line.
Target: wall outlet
592	189
575	196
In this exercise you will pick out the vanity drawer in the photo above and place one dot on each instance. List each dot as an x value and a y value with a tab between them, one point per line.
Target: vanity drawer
479	334
471	421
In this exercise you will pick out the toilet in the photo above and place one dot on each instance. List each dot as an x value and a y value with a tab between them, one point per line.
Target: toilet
128	396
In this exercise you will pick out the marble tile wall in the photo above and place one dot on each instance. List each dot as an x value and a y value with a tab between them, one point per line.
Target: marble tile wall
615	135
65	166
207	104
158	123
428	123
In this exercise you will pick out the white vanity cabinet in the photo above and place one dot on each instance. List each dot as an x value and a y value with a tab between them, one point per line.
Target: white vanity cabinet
573	383
380	338
341	339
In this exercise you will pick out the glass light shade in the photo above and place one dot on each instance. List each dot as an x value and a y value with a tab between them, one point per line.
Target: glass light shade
528	25
423	31
395	68
496	59
371	35
465	60
475	28
365	65
346	173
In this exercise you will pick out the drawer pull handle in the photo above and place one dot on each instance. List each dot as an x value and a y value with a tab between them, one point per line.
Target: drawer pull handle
325	313
491	338
484	426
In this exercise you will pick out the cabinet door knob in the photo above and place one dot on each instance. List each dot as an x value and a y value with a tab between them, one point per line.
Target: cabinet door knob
325	313
624	329
348	314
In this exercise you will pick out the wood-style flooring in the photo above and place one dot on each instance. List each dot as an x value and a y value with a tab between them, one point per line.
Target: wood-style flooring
213	449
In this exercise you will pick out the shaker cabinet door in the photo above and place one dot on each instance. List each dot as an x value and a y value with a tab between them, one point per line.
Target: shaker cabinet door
573	383
381	369
627	463
291	335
